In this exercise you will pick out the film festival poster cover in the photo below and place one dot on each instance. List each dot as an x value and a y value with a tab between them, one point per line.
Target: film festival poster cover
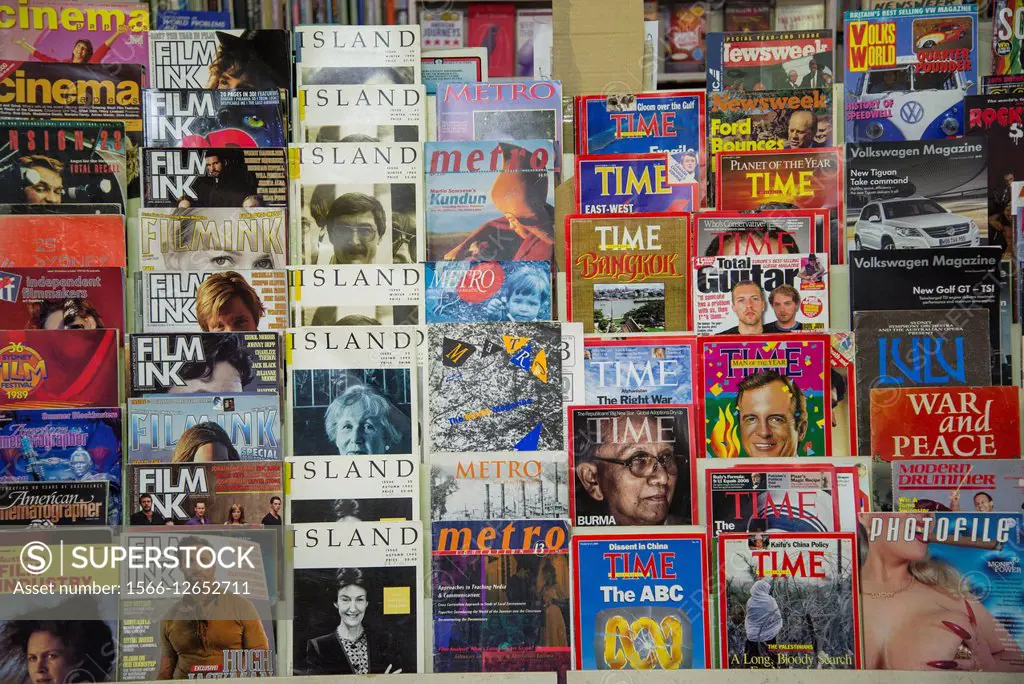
78	241
487	291
59	369
63	298
190	301
324	489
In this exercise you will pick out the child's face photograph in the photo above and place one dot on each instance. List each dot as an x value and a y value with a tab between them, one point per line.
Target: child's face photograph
524	306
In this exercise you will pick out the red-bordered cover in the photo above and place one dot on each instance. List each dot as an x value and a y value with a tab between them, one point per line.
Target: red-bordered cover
682	262
685	197
691	466
58	369
629	341
818	217
741	467
78	241
625	537
814	202
723	612
840	359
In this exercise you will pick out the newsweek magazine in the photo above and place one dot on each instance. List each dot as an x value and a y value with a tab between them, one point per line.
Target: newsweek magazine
361	113
75	241
203	493
232	59
786	179
516	484
65	445
908	71
767	120
671	122
501	595
628	273
204	427
357	203
200	362
490	201
639	369
917	194
736	233
214	177
324	489
778	60
742	375
788	601
1006	37
353	579
843	390
948	585
525	110
214	118
62	298
53	504
639	586
760	293
369	54
964	423
190	301
59	369
337	375
982	485
631	184
483	291
355	294
784	498
632	465
209	239
81	162
917	348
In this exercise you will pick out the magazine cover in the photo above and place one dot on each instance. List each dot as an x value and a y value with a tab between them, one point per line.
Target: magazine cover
58	162
945	422
628	273
369	54
500	206
1006	37
631	465
203	493
232	59
53	504
997	118
525	110
102	209
844	390
631	184
357	203
214	177
983	485
747	18
788	601
916	195
685	25
639	369
736	233
964	278
212	301
948	586
75	241
1002	85
354	294
483	486
640	123
214	118
59	369
785	498
770	60
907	72
464	64
54	445
494	387
204	427
786	179
917	348
648	609
353	580
487	291
361	113
749	384
62	298
215	362
184	20
760	293
325	489
210	239
783	119
501	595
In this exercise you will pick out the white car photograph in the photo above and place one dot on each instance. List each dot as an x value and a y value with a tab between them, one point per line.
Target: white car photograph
912	223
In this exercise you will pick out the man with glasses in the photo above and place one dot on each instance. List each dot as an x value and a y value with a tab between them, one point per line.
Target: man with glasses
355	225
628	463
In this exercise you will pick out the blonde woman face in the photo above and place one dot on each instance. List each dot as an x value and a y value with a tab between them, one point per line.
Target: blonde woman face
900	549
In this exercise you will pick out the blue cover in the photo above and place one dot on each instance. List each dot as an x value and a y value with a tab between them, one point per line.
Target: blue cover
630	185
635	374
485	291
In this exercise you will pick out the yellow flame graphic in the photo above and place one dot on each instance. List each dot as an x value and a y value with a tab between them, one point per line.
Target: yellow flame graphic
725	443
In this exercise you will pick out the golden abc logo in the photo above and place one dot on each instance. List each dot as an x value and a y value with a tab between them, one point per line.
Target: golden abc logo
662	641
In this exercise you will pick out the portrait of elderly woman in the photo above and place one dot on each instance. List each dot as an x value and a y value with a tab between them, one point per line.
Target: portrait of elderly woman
363	421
